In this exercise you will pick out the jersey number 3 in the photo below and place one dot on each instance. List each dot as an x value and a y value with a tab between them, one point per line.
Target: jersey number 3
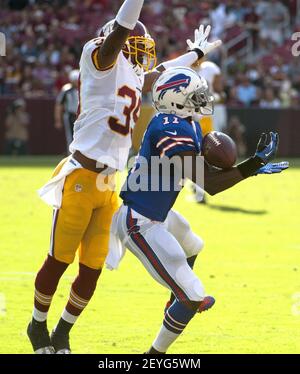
130	112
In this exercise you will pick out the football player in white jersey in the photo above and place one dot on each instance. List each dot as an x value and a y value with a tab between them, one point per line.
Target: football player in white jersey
115	68
212	73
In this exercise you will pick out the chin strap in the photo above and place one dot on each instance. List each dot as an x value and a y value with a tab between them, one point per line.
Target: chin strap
138	70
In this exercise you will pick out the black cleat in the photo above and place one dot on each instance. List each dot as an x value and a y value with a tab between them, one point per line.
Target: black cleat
61	343
39	337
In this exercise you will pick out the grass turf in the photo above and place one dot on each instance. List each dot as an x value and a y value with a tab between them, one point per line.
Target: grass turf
250	263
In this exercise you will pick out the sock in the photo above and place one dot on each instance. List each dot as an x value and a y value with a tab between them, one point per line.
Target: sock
153	351
191	262
176	319
42	325
45	286
81	292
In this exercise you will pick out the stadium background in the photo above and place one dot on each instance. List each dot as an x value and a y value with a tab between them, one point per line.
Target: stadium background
44	41
255	280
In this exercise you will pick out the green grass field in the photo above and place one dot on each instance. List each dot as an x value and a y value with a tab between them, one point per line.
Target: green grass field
251	264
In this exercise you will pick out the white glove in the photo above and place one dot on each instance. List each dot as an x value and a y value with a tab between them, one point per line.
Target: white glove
201	44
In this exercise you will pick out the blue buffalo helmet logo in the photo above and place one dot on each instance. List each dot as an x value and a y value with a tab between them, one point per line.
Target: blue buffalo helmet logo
175	84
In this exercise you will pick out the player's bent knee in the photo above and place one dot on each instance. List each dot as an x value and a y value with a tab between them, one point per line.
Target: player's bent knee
93	263
177	223
193	244
62	256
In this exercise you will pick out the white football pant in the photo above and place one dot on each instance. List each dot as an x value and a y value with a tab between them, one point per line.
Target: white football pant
163	248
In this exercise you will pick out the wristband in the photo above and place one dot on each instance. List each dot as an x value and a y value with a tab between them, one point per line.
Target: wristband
199	53
250	166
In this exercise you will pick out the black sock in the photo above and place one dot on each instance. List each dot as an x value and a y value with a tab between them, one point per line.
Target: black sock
63	327
37	324
153	351
191	261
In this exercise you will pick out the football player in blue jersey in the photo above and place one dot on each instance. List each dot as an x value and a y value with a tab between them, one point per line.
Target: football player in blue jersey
146	224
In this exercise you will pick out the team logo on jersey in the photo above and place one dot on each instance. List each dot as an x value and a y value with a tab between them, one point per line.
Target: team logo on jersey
78	188
175	84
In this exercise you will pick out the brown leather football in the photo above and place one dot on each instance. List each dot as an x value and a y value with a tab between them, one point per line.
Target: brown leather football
219	150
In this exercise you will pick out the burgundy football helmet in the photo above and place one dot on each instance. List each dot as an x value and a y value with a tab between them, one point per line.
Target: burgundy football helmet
139	47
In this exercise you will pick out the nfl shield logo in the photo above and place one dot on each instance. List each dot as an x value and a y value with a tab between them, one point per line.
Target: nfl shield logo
78	187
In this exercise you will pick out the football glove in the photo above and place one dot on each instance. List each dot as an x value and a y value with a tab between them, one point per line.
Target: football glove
266	150
201	44
273	168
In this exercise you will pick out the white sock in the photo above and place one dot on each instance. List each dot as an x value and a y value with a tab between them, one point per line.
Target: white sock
164	339
38	315
68	317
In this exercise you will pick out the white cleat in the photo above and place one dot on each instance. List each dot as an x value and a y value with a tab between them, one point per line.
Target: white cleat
64	351
45	351
60	343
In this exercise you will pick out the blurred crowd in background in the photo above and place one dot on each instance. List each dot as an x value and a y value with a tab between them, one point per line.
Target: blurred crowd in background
45	38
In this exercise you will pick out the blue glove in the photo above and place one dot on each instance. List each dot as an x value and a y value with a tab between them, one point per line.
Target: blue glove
266	150
273	168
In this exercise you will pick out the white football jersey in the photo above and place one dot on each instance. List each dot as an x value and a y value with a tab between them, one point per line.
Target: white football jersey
208	70
110	104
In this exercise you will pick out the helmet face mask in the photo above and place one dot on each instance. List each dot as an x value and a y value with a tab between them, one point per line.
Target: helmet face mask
201	101
180	91
139	48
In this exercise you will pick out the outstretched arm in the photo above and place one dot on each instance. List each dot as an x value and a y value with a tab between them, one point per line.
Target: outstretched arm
188	59
216	180
197	49
126	20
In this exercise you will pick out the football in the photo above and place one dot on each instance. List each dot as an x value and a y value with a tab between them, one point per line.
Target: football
219	150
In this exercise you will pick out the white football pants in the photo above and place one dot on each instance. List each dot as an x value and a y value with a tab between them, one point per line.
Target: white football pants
163	248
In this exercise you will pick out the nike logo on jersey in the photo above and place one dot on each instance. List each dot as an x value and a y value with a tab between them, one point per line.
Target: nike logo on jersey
139	89
171	132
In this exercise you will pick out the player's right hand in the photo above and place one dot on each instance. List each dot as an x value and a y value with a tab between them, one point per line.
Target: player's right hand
267	149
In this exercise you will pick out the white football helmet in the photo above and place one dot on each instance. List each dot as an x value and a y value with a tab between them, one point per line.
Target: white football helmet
182	92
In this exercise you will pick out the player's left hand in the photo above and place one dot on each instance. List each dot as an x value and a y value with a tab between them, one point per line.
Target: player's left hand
267	147
273	168
201	43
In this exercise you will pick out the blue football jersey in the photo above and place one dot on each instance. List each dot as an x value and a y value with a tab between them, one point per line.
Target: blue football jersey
166	136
